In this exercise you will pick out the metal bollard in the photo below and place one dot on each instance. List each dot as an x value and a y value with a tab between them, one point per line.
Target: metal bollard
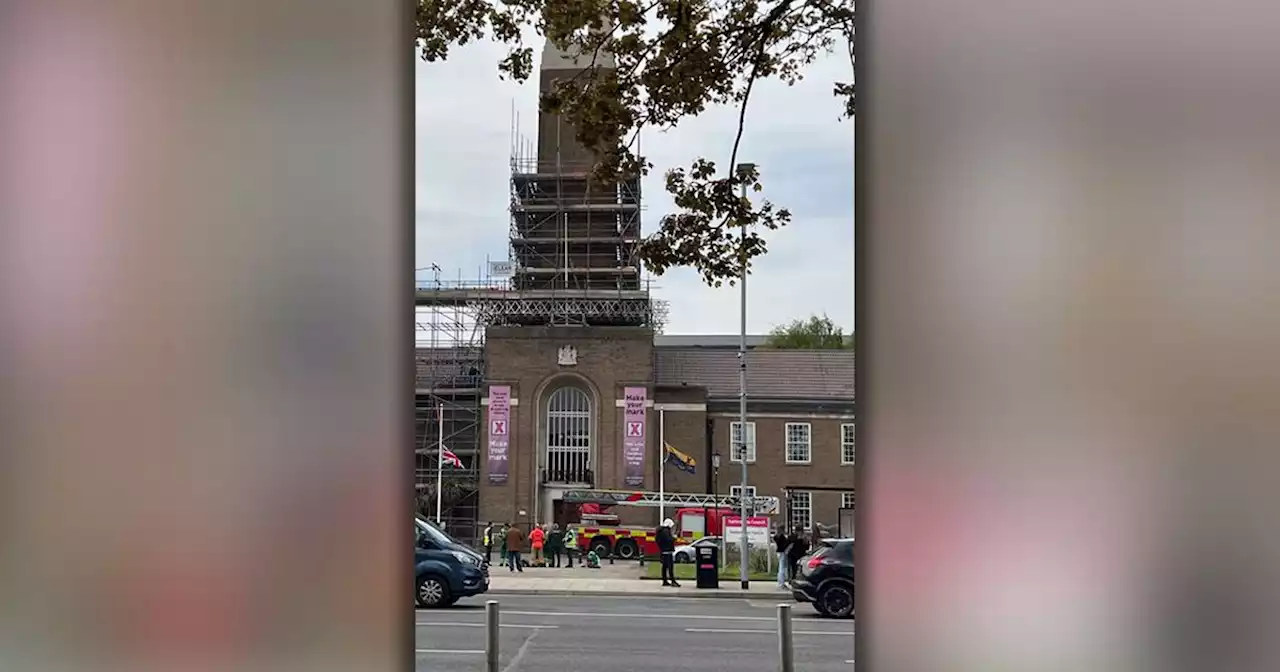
786	659
491	639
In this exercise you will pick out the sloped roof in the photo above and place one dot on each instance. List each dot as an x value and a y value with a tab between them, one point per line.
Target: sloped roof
708	340
771	374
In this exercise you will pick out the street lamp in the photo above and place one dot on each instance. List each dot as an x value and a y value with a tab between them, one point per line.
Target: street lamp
742	379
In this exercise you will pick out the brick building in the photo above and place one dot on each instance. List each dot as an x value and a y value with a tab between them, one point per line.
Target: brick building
568	425
551	377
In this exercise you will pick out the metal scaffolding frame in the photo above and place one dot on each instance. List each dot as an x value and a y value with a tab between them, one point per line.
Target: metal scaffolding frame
449	370
571	231
489	302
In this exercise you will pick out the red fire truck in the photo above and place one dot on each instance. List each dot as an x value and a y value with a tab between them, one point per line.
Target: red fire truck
695	516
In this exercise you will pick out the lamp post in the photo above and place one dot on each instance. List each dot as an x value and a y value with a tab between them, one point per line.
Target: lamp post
715	473
742	381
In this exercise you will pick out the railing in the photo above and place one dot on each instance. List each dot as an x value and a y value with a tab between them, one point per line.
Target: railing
455	285
572	476
449	381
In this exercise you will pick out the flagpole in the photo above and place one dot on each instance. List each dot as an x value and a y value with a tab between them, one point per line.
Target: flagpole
662	465
440	463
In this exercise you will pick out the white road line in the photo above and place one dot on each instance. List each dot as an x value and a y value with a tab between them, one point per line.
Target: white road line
461	652
517	626
771	632
520	654
669	617
850	662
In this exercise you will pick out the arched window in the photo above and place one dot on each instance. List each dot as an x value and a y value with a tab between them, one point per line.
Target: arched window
568	446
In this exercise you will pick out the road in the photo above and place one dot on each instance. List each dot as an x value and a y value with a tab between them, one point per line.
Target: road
642	634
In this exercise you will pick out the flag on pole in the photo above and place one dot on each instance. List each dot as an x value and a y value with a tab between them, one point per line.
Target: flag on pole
449	457
680	460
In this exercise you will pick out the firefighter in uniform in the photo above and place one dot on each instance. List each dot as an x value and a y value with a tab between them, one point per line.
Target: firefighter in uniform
667	548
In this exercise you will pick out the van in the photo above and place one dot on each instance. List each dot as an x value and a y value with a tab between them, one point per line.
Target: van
445	571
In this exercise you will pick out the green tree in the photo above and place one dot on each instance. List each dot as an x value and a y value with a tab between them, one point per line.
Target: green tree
674	59
815	333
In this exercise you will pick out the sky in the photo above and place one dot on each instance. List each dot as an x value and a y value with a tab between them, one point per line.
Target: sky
464	114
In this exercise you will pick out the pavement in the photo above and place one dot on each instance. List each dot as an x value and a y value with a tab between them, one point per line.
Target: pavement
622	579
542	633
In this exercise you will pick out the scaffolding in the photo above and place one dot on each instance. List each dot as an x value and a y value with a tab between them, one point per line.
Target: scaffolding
574	256
569	230
489	304
449	374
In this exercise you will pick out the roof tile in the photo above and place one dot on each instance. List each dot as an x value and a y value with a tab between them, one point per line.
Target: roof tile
771	374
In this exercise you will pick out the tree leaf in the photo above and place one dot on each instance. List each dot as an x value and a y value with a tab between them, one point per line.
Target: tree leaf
674	59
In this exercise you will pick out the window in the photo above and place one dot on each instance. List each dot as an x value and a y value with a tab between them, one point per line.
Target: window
736	491
735	440
800	510
846	443
846	500
799	446
568	448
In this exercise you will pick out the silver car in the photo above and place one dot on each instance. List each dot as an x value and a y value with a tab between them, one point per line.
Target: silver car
686	553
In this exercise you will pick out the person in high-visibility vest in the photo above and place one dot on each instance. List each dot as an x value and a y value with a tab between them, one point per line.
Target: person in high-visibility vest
537	536
488	544
570	545
500	540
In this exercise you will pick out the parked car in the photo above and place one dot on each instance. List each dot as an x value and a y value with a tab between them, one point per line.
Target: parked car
825	578
686	552
445	570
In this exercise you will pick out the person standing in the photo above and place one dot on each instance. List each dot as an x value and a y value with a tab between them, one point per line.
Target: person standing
555	541
570	544
537	538
666	549
781	544
500	540
515	544
799	547
488	544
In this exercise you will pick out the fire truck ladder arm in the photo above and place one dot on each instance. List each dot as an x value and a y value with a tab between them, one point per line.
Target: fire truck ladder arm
642	498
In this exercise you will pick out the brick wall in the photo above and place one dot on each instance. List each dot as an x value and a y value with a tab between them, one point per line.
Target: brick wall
686	431
608	359
770	472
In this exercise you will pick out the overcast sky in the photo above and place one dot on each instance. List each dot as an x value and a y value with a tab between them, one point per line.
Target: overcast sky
805	153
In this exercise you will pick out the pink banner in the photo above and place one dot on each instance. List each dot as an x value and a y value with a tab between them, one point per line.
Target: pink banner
499	431
633	433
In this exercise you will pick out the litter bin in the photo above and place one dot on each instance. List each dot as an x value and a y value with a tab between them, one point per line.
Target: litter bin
708	566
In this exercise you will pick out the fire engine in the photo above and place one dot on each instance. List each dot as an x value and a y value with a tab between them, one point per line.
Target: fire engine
695	516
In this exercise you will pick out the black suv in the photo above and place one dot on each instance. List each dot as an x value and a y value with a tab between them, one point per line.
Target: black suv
825	578
445	570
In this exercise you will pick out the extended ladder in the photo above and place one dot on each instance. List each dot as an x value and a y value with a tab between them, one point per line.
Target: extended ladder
642	498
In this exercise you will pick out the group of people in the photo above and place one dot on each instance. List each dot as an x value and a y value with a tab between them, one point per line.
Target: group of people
547	545
790	548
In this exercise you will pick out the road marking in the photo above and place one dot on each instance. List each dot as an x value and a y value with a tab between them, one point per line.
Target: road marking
461	652
770	632
520	654
763	604
668	617
849	662
481	625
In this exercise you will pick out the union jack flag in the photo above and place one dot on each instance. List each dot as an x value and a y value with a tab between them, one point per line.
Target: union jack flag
448	457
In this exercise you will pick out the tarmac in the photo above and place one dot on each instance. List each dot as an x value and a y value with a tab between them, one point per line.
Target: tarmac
628	634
